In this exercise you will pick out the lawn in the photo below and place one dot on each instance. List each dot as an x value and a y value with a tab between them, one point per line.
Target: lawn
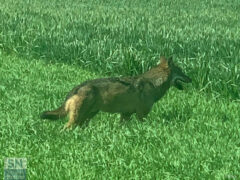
48	47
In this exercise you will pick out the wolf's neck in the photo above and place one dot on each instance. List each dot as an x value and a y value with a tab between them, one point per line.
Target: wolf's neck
157	75
160	91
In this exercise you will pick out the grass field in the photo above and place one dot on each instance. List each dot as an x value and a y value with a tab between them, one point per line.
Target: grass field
47	47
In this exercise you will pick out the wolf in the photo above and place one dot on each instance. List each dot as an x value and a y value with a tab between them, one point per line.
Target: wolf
124	95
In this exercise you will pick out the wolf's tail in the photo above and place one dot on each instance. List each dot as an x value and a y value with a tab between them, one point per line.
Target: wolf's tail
55	114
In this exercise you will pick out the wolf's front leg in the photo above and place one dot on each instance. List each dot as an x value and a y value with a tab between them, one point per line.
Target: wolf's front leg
142	113
140	116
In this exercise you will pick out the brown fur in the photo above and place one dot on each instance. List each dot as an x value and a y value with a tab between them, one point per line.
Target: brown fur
126	95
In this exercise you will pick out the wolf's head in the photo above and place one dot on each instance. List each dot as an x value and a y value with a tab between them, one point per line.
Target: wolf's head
176	74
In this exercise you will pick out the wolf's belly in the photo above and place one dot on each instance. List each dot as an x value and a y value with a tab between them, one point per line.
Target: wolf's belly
118	108
120	104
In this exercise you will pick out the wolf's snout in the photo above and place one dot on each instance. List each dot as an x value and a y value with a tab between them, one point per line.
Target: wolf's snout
184	79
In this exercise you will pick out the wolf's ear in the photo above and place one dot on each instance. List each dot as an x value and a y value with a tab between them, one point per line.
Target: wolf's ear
163	62
163	59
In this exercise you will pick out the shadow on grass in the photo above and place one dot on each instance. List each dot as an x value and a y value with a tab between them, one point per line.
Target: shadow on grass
174	116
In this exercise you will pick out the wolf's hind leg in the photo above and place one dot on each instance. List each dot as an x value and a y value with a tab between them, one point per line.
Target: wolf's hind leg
72	107
87	108
81	106
87	117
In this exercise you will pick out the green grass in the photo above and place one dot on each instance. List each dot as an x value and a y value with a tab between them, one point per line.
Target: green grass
48	47
127	37
187	135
